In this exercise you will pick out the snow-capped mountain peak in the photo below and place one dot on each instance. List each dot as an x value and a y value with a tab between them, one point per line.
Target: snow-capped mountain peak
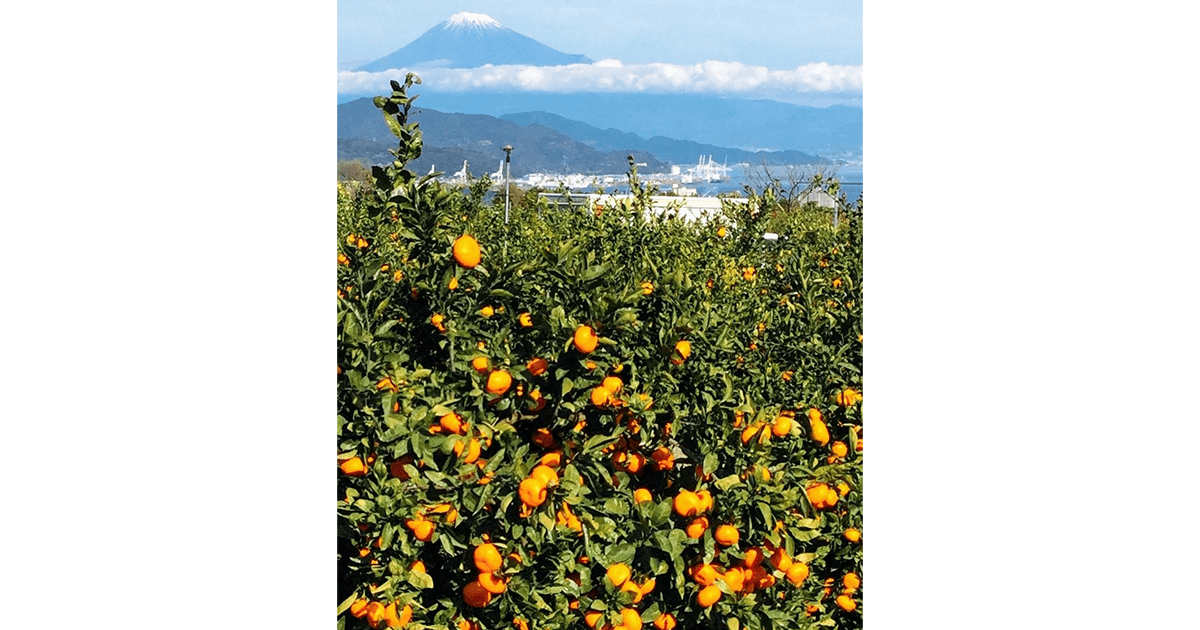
475	21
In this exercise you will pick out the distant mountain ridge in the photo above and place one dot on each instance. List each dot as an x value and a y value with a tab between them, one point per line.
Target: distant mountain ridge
448	139
470	40
671	150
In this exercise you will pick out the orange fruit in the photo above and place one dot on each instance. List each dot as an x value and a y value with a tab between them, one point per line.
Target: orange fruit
525	320
547	474
612	384
820	432
647	288
437	320
726	535
858	445
493	583
630	619
617	574
585	339
721	232
466	251
375	614
498	382
592	617
479	364
532	491
353	467
749	432
708	596
697	527
735	579
816	495
423	530
814	415
781	560
472	450
683	349
463	624
487	558
452	422
851	581
846	603
487	311
553	459
630	587
831	497
359	607
663	458
853	535
642	495
600	396
842	488
839	449
687	503
537	366
705	574
475	595
418	566
797	573
754	557
705	501
397	621
665	621
543	438
453	283
782	426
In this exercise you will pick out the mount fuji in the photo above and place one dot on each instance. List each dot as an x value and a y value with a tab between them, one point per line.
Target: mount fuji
470	40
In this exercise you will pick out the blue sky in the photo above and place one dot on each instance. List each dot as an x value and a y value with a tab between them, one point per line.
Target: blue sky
799	50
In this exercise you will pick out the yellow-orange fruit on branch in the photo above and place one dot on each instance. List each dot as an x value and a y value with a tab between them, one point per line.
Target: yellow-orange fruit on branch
466	251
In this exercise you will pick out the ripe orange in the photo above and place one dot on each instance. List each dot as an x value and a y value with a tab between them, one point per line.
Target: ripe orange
585	339
687	503
612	384
375	614
705	501
418	566
466	251
647	288
493	583
845	603
487	558
820	432
754	557
781	560
666	621
437	320
397	621
359	607
617	574
537	366
683	349
749	432
726	535
453	283
853	535
814	415
847	397
663	458
735	579
525	320
839	449
642	495
353	467
547	474
532	491
782	426
498	382
842	488
721	232
600	396
479	364
422	529
487	311
453	423
708	596
552	459
592	617
851	581
797	573
544	438
705	574
631	619
475	595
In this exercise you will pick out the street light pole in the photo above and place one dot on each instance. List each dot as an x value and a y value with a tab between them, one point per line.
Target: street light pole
507	171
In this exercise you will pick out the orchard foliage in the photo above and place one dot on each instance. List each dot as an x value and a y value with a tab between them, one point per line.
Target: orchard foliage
700	467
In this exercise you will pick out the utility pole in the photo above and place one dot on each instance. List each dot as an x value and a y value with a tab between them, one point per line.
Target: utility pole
507	171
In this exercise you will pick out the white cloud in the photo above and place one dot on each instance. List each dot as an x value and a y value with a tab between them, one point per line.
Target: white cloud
610	75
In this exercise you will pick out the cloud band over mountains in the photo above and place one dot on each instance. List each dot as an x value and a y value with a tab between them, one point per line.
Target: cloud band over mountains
610	75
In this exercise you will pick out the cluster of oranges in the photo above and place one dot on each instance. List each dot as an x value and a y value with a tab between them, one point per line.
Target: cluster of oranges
379	615
478	592
755	571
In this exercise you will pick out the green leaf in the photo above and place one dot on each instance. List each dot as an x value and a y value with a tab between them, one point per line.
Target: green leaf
710	464
342	607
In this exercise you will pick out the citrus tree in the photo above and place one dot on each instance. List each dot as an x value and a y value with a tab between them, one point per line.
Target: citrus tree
602	418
